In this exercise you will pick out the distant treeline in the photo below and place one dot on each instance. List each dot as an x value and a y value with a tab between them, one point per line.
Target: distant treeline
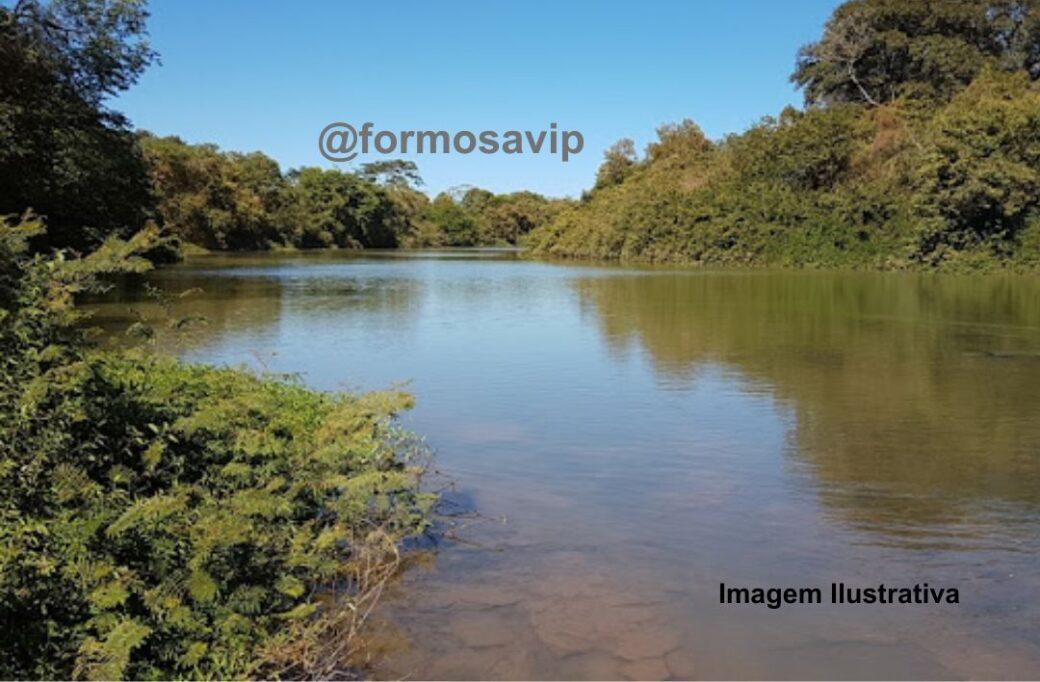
77	164
228	201
919	146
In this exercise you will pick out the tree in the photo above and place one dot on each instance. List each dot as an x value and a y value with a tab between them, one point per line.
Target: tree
875	51
981	178
393	173
847	40
684	140
213	199
408	223
330	208
459	226
619	158
96	48
509	217
62	153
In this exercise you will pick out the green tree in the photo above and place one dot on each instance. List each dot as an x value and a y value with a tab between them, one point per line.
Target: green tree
618	160
459	226
875	51
980	180
330	208
393	173
213	199
476	200
685	140
62	153
510	217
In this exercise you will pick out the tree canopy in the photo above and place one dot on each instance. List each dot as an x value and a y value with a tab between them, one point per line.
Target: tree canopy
876	51
62	153
919	146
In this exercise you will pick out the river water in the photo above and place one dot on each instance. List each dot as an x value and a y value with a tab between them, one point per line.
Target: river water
631	438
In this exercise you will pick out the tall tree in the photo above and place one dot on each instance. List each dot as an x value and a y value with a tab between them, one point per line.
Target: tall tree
875	51
62	152
330	208
393	173
618	160
215	199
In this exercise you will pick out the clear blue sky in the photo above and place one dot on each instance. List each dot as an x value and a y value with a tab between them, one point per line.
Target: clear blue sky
259	75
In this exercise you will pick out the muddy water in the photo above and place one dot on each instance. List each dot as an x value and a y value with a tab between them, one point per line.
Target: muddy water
632	438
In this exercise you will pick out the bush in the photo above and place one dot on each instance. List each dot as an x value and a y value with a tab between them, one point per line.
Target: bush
166	520
981	179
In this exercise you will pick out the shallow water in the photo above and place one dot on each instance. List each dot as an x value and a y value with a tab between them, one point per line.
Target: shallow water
634	437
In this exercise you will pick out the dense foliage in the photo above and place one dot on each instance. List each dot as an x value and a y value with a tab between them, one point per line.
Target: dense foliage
231	201
476	217
920	146
165	520
62	153
212	199
878	51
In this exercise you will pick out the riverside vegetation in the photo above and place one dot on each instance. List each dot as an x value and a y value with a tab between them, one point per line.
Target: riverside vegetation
76	162
159	519
231	201
919	147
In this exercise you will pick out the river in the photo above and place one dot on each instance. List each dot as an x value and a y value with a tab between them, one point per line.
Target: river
630	438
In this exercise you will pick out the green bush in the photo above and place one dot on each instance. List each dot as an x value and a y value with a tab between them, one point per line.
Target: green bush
981	178
166	520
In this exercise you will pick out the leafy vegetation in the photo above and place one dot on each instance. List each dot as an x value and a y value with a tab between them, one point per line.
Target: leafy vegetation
472	216
233	201
165	520
162	520
920	146
62	152
878	51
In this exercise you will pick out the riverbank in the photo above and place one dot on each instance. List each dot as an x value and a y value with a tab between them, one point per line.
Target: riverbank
175	520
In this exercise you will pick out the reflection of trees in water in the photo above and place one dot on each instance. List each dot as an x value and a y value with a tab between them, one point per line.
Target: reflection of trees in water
917	397
218	305
243	300
392	300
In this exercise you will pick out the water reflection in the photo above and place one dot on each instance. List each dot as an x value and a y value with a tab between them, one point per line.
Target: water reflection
916	397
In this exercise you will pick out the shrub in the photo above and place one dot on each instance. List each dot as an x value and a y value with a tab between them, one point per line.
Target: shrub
981	179
165	520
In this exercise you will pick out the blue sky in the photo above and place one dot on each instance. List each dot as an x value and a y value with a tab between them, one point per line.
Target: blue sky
258	75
